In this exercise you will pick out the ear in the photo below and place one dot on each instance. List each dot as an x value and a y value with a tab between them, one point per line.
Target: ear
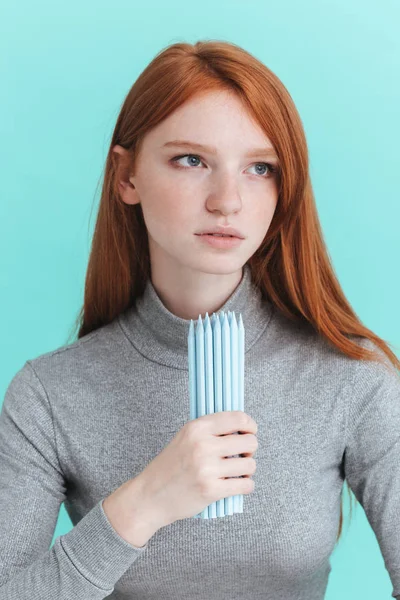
124	176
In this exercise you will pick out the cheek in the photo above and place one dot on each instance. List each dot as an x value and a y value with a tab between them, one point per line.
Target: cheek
167	208
263	213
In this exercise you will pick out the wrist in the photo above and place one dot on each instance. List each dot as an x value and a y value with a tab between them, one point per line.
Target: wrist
128	513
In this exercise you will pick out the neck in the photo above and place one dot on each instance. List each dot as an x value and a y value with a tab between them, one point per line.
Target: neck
162	336
190	297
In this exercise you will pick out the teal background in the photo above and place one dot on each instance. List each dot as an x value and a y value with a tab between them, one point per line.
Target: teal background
66	68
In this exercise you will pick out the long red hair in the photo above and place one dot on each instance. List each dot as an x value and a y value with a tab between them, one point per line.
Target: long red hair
292	267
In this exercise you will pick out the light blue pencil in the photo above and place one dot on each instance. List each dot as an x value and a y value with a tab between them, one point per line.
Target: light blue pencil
235	387
209	374
226	385
218	399
192	371
241	381
192	377
200	380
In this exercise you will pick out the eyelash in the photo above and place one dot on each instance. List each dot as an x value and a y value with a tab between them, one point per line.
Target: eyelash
272	168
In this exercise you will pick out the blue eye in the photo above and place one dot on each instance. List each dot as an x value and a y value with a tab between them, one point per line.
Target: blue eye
268	165
176	158
271	168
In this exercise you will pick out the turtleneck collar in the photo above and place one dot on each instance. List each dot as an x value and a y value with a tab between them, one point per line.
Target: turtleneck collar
162	336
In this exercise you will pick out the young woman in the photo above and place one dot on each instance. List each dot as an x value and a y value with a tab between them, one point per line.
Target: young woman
208	141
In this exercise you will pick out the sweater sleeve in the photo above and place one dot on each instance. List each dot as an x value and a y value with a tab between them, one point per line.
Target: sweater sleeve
83	564
372	455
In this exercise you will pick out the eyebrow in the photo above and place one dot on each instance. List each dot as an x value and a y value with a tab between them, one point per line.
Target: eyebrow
266	151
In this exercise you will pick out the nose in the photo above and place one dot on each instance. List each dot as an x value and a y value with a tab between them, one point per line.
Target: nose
224	196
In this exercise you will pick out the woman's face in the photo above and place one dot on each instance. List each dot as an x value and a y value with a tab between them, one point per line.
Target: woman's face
182	197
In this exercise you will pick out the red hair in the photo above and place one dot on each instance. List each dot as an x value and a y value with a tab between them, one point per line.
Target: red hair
292	267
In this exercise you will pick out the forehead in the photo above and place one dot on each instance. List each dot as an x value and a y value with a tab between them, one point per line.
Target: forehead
209	118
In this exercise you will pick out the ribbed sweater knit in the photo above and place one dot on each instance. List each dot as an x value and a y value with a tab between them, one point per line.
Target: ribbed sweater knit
79	421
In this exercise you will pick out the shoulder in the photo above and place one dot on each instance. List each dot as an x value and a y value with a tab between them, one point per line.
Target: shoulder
92	345
310	356
71	363
371	374
65	357
374	388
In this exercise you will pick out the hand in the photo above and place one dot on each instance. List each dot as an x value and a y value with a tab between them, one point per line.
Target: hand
192	471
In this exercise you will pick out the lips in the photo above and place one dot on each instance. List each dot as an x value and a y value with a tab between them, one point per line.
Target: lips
220	241
219	235
224	231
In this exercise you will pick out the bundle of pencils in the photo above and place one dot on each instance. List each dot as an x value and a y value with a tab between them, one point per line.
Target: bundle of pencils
216	381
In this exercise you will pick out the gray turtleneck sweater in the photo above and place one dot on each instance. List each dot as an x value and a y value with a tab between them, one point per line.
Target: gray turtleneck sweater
79	421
